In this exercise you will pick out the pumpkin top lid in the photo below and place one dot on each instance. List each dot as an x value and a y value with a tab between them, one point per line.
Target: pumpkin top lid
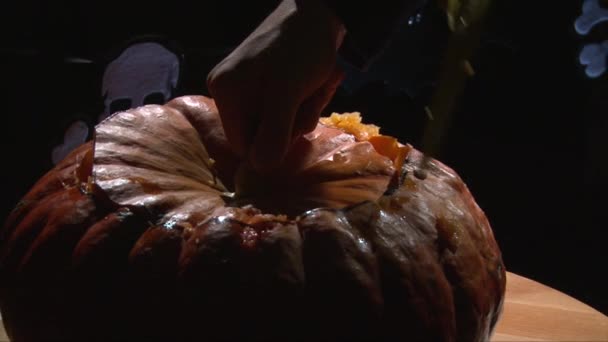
163	159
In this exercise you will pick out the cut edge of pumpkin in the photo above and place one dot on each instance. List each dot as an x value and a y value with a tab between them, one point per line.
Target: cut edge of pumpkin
352	123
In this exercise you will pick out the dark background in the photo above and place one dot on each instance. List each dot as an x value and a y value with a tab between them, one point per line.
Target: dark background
529	135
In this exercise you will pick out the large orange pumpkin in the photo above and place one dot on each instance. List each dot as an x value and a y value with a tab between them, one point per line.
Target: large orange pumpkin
136	236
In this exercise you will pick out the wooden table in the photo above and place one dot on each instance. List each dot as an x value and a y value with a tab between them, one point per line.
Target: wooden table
535	312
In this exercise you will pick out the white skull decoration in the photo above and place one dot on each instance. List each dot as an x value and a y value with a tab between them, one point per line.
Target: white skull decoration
143	73
142	70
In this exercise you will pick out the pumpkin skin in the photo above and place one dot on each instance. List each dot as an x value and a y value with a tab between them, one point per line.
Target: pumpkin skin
131	237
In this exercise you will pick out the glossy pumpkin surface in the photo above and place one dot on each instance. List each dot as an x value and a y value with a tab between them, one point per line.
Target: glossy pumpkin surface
138	235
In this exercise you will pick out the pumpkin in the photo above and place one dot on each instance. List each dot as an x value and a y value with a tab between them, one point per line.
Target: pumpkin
140	235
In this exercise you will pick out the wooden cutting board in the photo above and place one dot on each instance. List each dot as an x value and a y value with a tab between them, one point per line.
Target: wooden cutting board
535	312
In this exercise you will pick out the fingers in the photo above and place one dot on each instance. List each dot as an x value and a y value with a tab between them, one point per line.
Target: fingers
310	110
261	127
238	116
274	135
238	128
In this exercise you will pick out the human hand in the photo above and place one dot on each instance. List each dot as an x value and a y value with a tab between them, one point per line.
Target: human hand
274	85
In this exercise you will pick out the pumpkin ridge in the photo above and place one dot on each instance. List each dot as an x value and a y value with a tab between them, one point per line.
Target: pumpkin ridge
351	239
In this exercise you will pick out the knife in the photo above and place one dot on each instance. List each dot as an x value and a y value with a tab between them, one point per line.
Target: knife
465	19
